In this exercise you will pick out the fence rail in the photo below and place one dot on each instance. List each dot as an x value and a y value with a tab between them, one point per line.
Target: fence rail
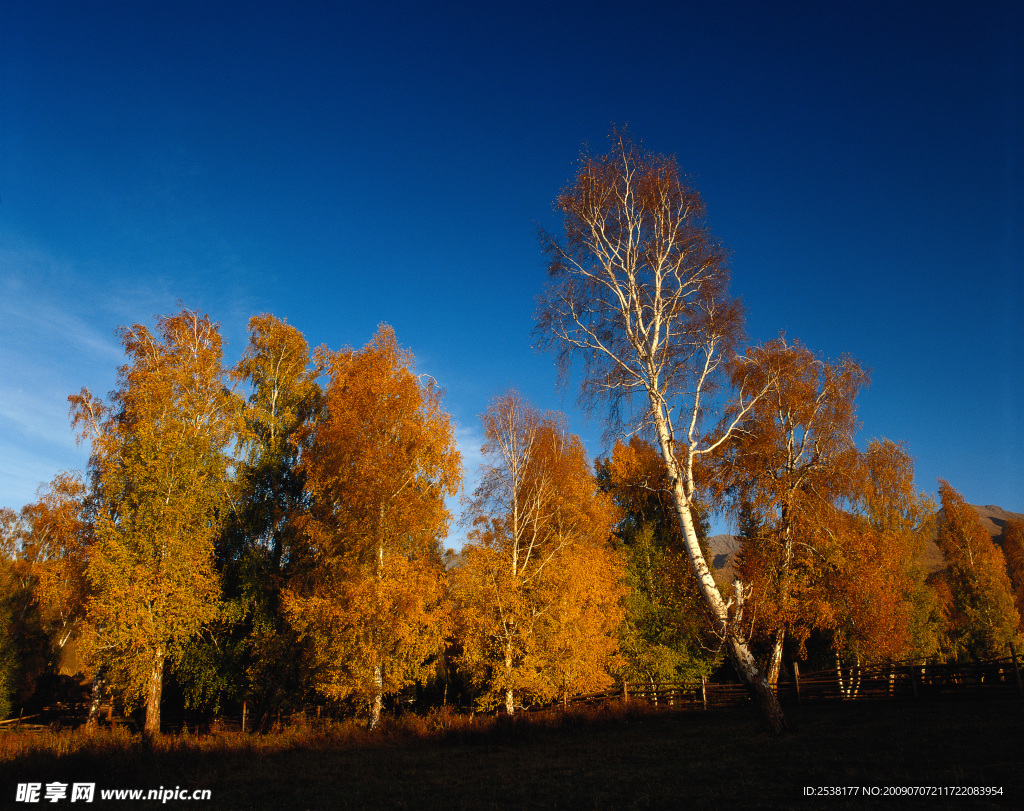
889	681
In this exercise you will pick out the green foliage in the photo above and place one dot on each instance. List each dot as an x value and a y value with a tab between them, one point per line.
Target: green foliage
24	643
665	634
248	653
160	464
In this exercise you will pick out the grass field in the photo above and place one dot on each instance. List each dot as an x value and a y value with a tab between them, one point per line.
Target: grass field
610	758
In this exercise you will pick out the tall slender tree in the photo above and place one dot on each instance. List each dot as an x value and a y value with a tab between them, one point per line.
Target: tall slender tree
639	291
792	458
538	586
252	654
378	464
160	463
980	612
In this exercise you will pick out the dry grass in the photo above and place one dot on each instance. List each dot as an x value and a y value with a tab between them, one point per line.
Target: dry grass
613	757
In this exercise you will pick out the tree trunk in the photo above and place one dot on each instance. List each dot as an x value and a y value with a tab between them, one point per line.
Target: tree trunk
775	657
760	690
378	698
726	626
154	693
93	719
510	704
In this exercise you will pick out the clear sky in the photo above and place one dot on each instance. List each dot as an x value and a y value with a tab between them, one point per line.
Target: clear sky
342	165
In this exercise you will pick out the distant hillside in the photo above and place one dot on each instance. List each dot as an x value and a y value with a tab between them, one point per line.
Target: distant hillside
723	548
994	520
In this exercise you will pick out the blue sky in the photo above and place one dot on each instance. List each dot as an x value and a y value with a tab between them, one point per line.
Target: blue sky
342	166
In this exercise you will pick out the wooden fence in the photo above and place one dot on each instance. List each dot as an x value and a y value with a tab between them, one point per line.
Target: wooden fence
894	680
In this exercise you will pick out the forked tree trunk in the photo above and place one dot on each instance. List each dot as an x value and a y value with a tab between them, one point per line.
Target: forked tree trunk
757	685
726	624
154	694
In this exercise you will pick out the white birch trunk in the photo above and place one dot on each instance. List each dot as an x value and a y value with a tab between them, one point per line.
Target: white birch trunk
727	627
378	698
775	657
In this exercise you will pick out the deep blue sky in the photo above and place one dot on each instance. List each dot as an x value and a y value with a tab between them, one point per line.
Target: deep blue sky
340	166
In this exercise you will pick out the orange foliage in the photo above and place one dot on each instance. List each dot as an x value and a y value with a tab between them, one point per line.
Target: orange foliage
538	587
980	613
378	465
56	544
1013	549
790	464
160	465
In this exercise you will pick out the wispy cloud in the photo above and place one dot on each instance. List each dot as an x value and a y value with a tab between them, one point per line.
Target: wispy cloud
57	334
469	440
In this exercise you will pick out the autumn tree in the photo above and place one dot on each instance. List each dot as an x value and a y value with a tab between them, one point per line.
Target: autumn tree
160	463
639	292
10	591
55	544
378	464
1013	549
980	612
790	461
248	654
664	633
538	586
284	400
901	615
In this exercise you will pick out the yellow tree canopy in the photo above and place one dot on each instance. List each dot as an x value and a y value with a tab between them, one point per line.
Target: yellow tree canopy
160	464
378	463
980	612
538	590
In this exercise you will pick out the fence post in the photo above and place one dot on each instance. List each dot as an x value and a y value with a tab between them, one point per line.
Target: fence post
243	716
704	691
796	679
1016	668
625	692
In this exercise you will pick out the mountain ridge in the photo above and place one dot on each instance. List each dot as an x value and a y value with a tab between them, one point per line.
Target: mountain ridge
722	548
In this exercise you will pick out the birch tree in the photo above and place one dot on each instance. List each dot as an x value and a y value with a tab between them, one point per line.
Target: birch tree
790	460
160	464
378	464
638	292
538	586
981	616
58	534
